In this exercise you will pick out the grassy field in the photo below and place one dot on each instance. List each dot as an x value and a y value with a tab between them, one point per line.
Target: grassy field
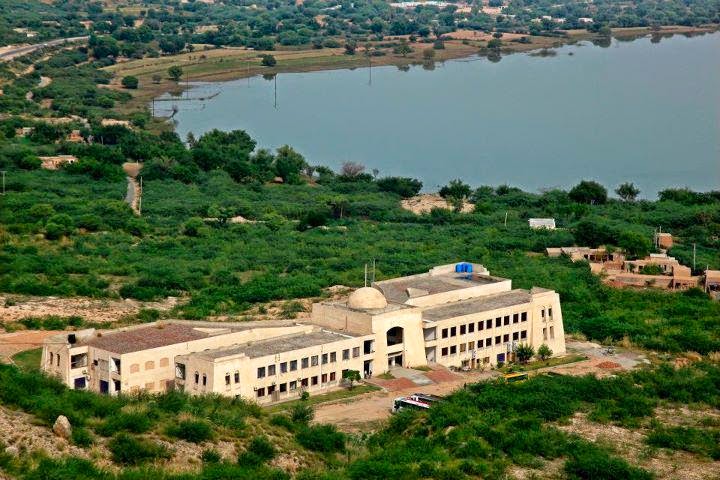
29	359
325	398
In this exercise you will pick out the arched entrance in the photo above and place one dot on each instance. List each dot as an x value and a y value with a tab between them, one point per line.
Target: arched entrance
394	336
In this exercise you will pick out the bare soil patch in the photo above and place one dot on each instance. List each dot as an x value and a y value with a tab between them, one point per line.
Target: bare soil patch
426	202
630	444
14	308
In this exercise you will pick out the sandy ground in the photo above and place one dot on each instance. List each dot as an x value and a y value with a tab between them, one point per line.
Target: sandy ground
13	308
426	202
16	342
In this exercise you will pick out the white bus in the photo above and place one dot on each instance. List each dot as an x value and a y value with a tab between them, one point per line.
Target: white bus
401	403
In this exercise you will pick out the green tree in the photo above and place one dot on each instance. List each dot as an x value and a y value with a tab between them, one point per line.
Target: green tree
130	82
544	352
524	352
194	227
634	244
289	164
268	60
588	192
351	376
456	192
175	72
627	191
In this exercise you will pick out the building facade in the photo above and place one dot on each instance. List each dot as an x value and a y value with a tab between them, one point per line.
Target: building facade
455	315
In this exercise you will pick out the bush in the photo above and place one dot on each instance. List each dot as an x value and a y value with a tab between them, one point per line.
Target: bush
268	60
130	82
302	413
194	431
321	438
592	463
210	455
258	452
134	422
81	437
129	450
403	186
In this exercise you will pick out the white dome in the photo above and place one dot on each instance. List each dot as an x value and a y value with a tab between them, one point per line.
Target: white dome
367	298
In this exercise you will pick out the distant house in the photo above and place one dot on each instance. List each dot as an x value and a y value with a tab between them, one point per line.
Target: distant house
712	283
109	122
57	161
547	223
74	137
664	240
585	20
24	131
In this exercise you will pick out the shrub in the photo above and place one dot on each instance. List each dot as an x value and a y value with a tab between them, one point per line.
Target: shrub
268	60
258	452
81	437
588	192
194	431
282	421
129	450
210	455
130	82
321	438
403	186
591	462
134	422
302	413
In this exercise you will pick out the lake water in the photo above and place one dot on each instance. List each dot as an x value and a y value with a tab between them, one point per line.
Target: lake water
634	111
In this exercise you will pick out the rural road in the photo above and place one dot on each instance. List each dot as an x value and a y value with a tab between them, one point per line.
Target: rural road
24	50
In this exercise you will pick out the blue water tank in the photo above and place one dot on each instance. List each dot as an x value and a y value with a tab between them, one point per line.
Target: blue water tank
458	268
468	267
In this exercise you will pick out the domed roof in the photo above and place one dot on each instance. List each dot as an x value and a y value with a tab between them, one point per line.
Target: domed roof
367	298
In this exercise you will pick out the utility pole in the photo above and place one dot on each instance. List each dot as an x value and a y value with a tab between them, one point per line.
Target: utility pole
365	275
694	252
3	182
140	198
506	214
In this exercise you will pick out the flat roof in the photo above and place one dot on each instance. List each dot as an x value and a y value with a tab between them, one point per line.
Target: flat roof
153	336
163	334
274	346
476	305
396	290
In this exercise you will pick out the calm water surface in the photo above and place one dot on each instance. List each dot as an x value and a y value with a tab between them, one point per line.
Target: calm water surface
635	111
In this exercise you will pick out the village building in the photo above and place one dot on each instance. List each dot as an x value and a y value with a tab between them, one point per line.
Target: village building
74	137
664	240
57	161
456	316
657	270
712	283
538	223
23	132
111	122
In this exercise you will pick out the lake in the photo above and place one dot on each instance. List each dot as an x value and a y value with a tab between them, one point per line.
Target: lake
635	111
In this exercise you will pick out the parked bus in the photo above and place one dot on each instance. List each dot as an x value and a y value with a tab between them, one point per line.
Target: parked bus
515	377
401	403
425	398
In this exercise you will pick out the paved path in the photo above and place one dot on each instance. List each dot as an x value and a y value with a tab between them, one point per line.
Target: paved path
26	49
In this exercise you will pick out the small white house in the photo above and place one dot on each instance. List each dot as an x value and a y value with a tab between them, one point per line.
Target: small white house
548	223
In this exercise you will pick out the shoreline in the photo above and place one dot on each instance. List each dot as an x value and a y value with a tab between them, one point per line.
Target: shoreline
227	64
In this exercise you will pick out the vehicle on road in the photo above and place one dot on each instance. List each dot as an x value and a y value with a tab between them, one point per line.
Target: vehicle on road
402	403
515	377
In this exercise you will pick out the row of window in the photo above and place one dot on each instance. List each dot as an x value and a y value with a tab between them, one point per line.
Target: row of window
488	342
450	332
306	362
293	385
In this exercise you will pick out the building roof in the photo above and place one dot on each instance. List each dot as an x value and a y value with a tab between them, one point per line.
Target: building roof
542	222
154	336
712	275
402	289
476	305
274	346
